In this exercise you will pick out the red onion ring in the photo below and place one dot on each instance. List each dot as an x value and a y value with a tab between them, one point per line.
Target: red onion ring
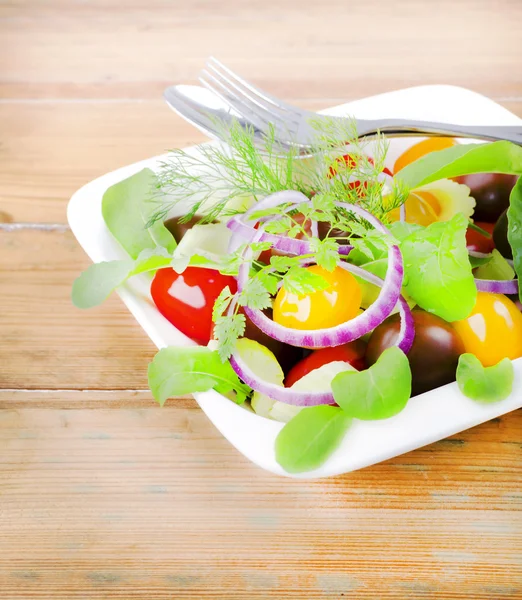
346	332
497	286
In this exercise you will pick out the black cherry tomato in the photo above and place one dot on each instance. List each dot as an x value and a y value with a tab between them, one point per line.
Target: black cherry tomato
434	354
352	353
478	242
491	192
187	299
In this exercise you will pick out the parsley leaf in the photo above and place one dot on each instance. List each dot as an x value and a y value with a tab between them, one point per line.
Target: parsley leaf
255	295
282	263
221	303
227	330
326	252
300	281
269	280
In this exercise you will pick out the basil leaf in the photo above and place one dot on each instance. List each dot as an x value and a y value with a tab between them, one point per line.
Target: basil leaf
514	214
176	371
310	438
379	392
97	282
485	384
126	210
463	159
437	270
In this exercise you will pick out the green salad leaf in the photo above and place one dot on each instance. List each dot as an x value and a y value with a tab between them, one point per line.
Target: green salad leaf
310	438
485	384
379	392
438	274
515	229
97	282
126	210
175	371
495	267
463	159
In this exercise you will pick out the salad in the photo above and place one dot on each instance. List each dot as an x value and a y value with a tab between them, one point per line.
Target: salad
326	289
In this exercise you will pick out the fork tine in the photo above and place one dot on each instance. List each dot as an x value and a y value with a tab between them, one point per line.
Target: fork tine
216	65
236	101
259	107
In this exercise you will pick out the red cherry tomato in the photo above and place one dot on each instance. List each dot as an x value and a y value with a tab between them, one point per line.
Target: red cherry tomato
478	242
187	299
352	353
351	162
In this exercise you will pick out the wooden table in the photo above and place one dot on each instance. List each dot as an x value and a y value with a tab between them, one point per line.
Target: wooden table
104	495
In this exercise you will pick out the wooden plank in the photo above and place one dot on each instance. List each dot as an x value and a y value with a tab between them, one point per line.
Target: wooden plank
153	503
52	149
118	49
46	342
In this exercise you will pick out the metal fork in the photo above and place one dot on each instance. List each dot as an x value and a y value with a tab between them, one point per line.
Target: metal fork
293	126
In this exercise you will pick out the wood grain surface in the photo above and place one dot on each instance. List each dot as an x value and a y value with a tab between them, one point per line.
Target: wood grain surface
103	494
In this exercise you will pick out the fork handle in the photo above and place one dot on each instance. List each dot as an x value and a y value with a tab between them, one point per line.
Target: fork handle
401	127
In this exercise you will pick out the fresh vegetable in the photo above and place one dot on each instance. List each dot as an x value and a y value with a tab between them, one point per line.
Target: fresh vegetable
514	215
179	226
477	241
500	236
379	392
187	299
351	353
310	438
493	329
433	356
485	384
437	269
126	212
497	267
491	192
437	201
420	149
332	306
176	371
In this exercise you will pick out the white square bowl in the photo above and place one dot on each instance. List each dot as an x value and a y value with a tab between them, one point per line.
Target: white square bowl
427	418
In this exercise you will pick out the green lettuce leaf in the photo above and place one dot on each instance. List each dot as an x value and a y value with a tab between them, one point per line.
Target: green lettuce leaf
176	371
438	274
97	282
379	392
310	438
126	209
463	159
515	229
495	267
485	384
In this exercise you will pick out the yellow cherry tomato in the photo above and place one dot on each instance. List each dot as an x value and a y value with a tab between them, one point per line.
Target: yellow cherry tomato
493	330
421	149
336	304
422	208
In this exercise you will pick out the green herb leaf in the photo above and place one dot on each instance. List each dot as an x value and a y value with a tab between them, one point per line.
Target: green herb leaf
326	252
438	271
176	371
310	438
478	261
300	281
485	384
463	159
255	295
269	281
125	211
401	229
515	229
227	330
221	303
379	392
495	267
97	282
260	246
282	263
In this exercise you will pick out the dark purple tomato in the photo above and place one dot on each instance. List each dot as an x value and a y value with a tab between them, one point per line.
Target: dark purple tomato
500	236
491	192
433	356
